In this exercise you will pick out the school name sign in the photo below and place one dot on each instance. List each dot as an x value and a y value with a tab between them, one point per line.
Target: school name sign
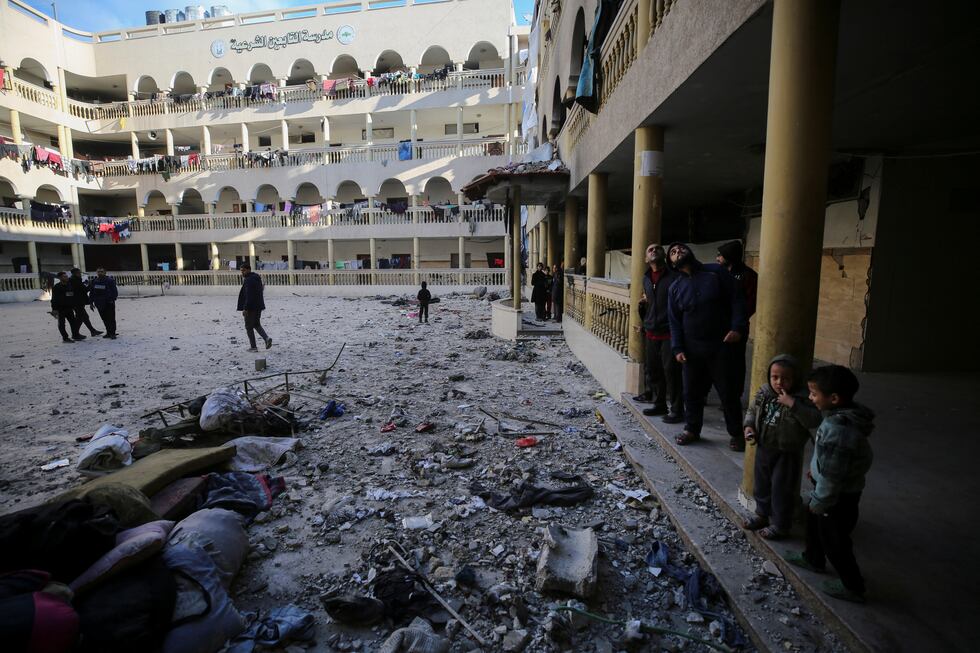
344	35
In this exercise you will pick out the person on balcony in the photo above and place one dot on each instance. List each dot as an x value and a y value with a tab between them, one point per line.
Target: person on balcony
706	308
663	372
251	303
102	292
557	292
80	297
63	307
540	291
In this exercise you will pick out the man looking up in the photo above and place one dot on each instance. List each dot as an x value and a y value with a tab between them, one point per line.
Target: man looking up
663	372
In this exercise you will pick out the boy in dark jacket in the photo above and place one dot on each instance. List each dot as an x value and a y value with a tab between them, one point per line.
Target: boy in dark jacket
102	292
778	420
424	298
841	459
63	305
251	303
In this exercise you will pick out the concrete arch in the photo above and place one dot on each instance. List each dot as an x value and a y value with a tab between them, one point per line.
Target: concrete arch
299	72
48	194
268	194
392	187
260	73
144	85
225	198
155	198
33	71
344	65
557	109
8	190
182	83
218	77
576	55
307	192
438	190
190	202
348	191
388	61
483	55
434	57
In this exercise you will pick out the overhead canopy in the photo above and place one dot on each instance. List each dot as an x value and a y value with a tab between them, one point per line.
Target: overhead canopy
539	184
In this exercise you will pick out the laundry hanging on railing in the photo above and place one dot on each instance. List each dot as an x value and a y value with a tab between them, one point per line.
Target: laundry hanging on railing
97	228
52	213
405	150
590	77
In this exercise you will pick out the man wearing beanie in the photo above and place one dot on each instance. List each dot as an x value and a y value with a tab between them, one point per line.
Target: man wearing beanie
730	256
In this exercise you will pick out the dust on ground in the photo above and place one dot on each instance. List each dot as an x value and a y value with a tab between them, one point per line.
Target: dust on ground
329	532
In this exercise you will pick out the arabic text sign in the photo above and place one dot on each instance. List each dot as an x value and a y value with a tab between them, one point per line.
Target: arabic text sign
279	42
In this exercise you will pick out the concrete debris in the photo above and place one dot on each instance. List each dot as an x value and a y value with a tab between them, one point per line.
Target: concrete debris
568	562
770	568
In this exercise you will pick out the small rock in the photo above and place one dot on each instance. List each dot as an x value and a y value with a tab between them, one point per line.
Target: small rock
516	640
714	628
694	618
770	568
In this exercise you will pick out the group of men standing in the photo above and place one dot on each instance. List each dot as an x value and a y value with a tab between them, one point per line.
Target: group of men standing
695	322
69	297
548	292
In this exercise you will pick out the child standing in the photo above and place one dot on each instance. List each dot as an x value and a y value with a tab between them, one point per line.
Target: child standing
841	459
424	298
778	420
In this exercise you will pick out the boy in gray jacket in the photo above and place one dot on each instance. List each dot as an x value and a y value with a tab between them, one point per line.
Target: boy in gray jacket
778	420
841	459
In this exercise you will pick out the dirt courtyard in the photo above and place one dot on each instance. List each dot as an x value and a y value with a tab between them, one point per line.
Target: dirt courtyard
323	536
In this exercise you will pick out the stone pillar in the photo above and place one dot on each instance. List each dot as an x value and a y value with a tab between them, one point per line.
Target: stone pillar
459	78
331	260
595	235
144	257
75	259
326	131
15	126
373	252
245	147
414	127
462	258
284	134
369	134
81	256
647	217
134	143
174	212
553	239
205	140
32	260
415	205
209	207
798	142
515	230
543	240
461	200
571	233
251	254
179	254
291	265
508	136
62	142
215	257
459	131
416	257
169	135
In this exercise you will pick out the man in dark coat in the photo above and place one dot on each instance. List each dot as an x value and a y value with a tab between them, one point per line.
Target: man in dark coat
540	291
251	303
730	256
707	311
557	292
80	296
102	292
63	305
663	372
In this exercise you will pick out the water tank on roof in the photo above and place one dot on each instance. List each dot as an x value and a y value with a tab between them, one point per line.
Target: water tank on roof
194	12
153	17
220	10
170	15
181	16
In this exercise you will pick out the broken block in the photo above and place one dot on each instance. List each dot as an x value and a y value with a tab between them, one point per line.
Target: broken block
568	561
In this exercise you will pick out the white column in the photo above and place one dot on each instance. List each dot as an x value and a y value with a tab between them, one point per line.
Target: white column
369	134
245	147
75	262
460	199
330	259
459	131
15	125
326	131
284	131
215	257
413	119
205	140
373	250
290	253
32	259
145	257
462	257
416	257
508	144
81	256
251	254
134	142
179	254
169	135
459	78
415	205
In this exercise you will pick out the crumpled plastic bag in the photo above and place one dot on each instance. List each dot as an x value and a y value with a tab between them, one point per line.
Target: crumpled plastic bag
254	453
418	637
222	408
109	450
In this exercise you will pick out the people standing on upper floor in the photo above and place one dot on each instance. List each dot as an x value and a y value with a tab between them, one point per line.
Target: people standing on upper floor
557	292
251	303
424	297
80	296
730	256
664	387
63	305
706	309
540	291
102	293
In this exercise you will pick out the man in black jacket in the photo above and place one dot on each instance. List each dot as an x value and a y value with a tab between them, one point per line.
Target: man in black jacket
251	303
663	372
102	292
63	304
80	298
540	291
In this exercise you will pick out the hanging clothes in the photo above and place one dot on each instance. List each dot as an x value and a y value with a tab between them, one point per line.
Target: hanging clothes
587	91
405	150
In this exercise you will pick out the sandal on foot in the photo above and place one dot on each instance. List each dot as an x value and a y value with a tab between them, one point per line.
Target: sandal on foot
797	559
756	523
836	589
686	438
736	445
772	533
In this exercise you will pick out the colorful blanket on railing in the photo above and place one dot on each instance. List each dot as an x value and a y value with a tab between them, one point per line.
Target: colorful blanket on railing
96	228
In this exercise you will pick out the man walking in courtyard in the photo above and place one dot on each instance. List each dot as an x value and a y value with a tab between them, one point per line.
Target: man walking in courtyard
80	297
707	312
103	293
63	306
251	303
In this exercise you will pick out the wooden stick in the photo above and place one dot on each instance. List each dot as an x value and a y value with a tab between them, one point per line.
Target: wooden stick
441	600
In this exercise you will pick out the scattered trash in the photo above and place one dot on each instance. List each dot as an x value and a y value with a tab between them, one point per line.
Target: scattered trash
527	494
389	427
108	451
55	464
332	409
416	523
424	427
526	442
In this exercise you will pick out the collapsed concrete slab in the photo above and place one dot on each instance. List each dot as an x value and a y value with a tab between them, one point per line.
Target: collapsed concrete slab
568	562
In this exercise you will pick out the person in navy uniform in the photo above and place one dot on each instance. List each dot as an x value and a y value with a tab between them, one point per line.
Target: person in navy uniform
63	307
102	294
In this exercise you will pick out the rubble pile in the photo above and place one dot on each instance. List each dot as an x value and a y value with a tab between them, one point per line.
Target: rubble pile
434	491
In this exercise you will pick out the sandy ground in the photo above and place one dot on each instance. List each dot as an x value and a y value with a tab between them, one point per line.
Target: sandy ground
324	534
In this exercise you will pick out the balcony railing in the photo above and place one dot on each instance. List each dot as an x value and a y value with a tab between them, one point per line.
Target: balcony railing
601	306
328	218
20	218
10	282
441	277
355	89
424	151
